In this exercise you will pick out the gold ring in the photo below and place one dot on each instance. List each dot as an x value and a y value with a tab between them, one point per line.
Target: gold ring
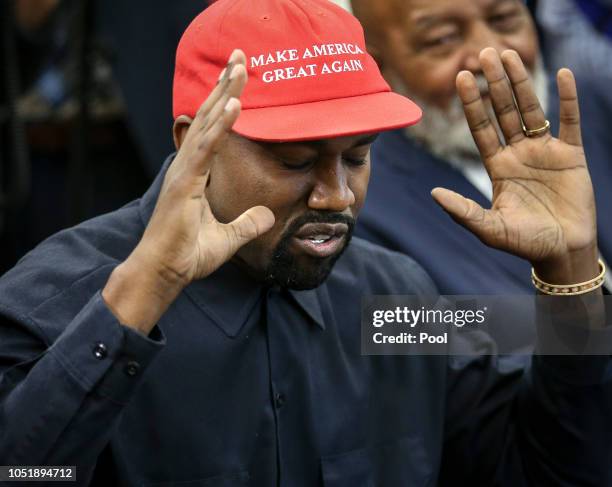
537	132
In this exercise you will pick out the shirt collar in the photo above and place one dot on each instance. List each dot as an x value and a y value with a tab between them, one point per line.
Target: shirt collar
229	295
310	301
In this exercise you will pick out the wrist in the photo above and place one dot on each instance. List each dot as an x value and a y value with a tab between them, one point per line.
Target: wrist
570	268
138	294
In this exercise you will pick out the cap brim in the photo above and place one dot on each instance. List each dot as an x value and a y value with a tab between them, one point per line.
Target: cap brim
355	115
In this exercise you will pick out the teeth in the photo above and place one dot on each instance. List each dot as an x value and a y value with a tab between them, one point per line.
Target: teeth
319	239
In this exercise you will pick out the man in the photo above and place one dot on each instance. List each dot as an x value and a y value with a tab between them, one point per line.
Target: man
421	45
208	334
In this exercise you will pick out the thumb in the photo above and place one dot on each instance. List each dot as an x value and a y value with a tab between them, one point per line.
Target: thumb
248	226
470	215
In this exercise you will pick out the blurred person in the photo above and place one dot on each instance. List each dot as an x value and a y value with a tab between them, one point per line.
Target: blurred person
577	34
87	74
73	137
140	37
209	333
420	46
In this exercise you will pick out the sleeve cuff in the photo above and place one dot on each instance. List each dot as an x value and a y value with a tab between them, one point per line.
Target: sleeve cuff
104	355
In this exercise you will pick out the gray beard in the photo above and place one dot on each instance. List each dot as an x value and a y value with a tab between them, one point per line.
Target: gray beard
446	133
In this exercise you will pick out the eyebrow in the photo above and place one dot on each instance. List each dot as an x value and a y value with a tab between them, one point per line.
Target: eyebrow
431	20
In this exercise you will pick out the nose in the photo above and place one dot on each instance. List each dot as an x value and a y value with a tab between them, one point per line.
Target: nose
480	37
331	191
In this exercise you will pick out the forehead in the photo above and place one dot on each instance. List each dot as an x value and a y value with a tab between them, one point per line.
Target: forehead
417	10
332	144
246	148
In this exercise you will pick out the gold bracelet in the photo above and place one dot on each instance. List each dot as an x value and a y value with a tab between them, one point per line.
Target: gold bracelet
570	289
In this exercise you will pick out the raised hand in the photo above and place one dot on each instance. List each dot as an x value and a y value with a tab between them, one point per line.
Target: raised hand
543	206
183	236
183	240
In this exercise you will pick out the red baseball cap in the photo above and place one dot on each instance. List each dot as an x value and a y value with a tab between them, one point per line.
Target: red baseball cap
310	76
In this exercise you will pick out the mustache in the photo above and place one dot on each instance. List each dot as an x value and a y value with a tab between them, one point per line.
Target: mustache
319	217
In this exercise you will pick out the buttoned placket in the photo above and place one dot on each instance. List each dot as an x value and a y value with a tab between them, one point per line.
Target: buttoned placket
290	336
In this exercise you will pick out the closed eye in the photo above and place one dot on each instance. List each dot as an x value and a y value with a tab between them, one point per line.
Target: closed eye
296	165
355	161
442	40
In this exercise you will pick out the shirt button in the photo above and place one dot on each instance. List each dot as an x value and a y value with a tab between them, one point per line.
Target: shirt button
279	400
132	368
100	351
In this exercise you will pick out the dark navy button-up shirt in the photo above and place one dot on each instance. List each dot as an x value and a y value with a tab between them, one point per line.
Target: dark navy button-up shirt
244	385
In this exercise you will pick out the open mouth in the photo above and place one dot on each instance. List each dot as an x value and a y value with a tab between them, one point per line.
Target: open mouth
320	239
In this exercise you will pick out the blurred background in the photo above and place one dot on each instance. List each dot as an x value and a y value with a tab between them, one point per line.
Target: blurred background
85	109
85	100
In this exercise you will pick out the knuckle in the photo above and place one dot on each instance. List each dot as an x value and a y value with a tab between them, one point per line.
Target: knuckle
531	106
205	121
472	102
515	136
234	236
569	119
519	82
497	81
506	108
203	110
250	226
473	212
205	142
481	125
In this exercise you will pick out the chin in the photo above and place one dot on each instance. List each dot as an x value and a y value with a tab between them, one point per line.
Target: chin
301	277
300	273
294	267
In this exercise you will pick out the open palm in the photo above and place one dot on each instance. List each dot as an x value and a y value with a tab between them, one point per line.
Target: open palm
543	205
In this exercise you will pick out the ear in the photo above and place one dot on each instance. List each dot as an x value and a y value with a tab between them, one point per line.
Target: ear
179	130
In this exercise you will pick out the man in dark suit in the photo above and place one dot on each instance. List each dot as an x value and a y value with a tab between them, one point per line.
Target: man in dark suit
421	46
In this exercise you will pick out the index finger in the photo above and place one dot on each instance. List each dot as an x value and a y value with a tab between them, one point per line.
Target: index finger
214	111
223	91
235	85
214	119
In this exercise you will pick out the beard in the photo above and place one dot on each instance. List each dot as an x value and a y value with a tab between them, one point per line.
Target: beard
301	272
446	133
